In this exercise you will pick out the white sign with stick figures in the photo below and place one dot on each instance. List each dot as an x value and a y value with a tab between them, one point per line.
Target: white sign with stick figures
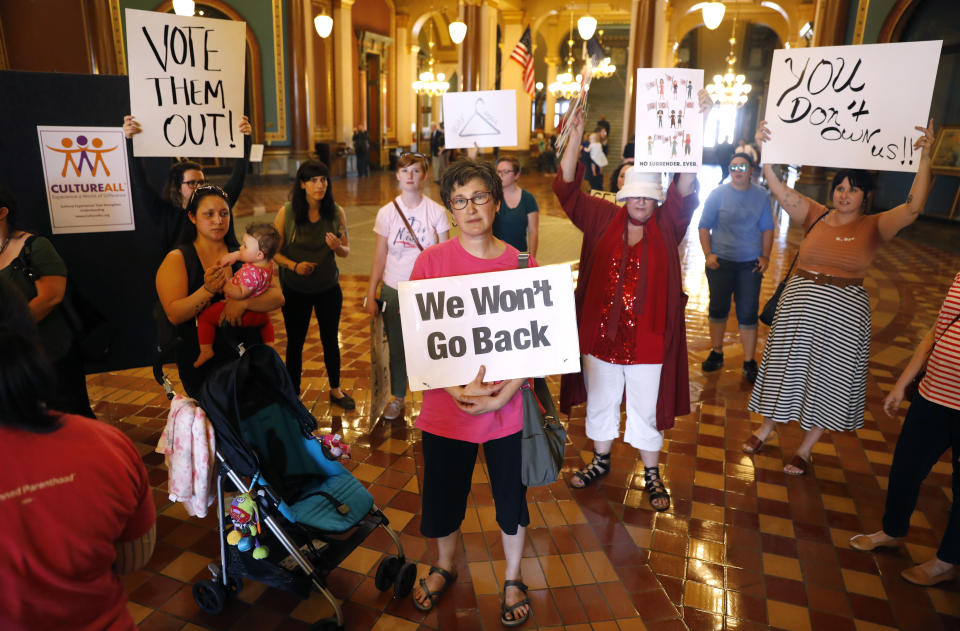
186	84
850	107
85	174
669	123
487	118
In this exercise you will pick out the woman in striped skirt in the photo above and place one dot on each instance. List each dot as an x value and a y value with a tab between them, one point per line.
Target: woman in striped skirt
814	366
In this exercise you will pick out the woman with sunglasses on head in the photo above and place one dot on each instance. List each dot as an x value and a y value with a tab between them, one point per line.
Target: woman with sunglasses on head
313	232
185	176
455	421
630	312
814	365
190	278
43	282
405	226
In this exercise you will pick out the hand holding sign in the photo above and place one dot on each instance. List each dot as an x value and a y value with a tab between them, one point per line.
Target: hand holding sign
131	127
478	397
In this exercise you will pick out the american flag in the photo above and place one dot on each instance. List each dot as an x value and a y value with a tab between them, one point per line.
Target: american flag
523	55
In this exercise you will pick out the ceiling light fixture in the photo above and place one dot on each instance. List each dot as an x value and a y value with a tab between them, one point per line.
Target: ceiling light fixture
183	7
324	25
712	13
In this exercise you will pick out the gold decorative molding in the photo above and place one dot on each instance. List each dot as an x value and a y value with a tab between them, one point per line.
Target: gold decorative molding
4	60
281	134
861	23
116	23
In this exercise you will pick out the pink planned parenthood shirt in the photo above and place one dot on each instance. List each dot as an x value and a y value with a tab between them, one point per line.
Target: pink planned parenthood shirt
439	413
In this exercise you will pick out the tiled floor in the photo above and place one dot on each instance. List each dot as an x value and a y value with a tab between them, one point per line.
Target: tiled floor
743	547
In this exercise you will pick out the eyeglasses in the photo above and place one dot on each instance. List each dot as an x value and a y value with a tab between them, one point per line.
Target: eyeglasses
479	199
739	168
194	183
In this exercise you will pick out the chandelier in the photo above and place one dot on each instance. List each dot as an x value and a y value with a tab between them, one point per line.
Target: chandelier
605	68
567	86
430	84
730	88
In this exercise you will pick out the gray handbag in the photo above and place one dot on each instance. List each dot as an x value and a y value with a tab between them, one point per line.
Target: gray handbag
544	437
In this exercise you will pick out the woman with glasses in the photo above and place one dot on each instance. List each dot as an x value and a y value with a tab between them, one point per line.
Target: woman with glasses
518	221
736	234
184	177
43	282
190	279
313	232
405	226
630	312
455	421
814	365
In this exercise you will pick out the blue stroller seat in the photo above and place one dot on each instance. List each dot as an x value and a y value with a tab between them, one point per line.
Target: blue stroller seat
317	492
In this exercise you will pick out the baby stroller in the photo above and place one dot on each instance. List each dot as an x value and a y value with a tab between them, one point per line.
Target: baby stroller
314	512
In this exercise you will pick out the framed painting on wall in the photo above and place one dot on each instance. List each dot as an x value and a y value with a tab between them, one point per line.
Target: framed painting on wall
946	151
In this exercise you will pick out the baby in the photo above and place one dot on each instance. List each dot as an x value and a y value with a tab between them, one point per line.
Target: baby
256	251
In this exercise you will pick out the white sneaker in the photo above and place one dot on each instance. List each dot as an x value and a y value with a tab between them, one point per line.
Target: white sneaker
393	410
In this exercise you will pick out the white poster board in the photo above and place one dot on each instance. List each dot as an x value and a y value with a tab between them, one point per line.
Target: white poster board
517	323
186	84
669	123
86	177
487	118
850	106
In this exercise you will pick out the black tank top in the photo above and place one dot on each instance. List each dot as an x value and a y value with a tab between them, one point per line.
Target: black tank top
189	347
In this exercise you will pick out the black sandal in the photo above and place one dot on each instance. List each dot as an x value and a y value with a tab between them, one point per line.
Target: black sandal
653	485
433	597
511	609
598	467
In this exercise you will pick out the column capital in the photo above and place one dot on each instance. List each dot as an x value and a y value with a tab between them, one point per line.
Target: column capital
343	4
472	3
512	17
551	61
402	20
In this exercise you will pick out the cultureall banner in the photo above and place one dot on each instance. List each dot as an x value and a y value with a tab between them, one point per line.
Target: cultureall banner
669	123
186	84
517	323
851	107
86	177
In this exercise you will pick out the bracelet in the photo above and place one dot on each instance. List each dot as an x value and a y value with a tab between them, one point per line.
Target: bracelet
212	293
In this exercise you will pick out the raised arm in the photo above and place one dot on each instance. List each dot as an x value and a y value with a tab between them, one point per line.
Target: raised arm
796	205
571	153
898	218
234	185
687	182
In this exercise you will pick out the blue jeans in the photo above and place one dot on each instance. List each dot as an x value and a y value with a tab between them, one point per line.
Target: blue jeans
740	280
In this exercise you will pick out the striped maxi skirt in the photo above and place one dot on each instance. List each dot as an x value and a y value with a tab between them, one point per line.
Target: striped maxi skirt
814	366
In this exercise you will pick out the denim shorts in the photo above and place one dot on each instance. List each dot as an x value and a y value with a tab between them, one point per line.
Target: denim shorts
740	280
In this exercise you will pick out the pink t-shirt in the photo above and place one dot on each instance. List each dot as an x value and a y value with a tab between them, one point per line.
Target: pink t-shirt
439	413
255	278
428	219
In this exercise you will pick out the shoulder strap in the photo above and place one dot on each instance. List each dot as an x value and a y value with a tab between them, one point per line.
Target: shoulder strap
26	266
952	322
797	255
407	224
523	260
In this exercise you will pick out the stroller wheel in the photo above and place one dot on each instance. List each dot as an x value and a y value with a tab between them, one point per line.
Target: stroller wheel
387	573
210	596
327	624
404	584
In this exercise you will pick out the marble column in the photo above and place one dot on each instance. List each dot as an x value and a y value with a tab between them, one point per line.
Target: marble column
489	10
551	101
99	27
643	18
343	56
406	65
469	53
511	74
299	118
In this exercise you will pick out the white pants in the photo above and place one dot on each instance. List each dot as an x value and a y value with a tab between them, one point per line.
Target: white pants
605	384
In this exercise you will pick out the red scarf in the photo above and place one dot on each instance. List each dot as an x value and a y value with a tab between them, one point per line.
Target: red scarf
650	298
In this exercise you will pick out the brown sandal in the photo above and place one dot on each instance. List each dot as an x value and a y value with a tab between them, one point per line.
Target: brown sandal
800	464
433	597
752	445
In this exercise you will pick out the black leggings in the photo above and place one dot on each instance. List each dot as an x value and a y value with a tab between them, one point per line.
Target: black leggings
447	471
296	318
928	431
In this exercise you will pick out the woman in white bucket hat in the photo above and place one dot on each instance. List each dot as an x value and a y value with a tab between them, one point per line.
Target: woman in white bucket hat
630	313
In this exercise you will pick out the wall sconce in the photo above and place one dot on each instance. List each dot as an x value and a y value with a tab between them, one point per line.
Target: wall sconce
183	7
587	26
712	14
324	25
458	30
